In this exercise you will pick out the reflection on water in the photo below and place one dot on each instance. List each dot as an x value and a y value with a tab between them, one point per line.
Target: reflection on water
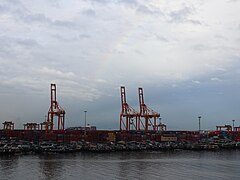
123	165
7	165
50	167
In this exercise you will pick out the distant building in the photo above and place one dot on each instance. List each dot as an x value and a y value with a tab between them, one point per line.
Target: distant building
88	128
168	138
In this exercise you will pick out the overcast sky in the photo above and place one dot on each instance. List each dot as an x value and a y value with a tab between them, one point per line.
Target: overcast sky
184	53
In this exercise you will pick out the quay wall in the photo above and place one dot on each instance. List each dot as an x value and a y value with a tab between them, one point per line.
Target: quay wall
115	135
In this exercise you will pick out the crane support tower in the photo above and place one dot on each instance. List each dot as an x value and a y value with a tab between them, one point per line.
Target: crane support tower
129	117
227	127
8	125
147	113
55	110
31	126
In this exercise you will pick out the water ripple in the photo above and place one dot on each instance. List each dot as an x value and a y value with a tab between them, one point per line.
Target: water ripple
123	165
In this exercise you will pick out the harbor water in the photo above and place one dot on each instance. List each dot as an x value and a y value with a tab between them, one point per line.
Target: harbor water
224	164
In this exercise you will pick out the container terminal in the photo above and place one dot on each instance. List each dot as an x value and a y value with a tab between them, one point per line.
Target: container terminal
139	130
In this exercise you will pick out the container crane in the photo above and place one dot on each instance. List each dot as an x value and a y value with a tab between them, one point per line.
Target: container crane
55	110
8	125
147	113
129	117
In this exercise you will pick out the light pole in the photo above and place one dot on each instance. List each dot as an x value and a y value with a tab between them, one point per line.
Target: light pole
233	124
160	120
85	126
199	123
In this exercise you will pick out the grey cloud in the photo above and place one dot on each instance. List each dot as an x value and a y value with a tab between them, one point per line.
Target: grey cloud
54	3
61	37
31	18
3	9
220	37
5	47
11	46
139	52
203	47
84	36
12	41
161	38
23	83
89	12
14	7
182	16
15	4
70	54
99	1
38	82
196	82
139	7
27	42
131	3
20	12
101	81
73	38
146	10
41	18
196	22
57	73
234	1
200	47
63	23
215	79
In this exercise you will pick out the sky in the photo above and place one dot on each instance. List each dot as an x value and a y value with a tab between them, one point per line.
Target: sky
185	54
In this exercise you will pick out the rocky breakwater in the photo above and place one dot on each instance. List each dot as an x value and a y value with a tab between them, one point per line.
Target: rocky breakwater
25	147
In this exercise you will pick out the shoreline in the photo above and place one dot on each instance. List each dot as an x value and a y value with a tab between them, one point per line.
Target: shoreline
24	147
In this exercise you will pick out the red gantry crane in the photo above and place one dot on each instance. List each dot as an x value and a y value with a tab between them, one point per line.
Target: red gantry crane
129	117
8	125
55	110
31	126
147	113
227	127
